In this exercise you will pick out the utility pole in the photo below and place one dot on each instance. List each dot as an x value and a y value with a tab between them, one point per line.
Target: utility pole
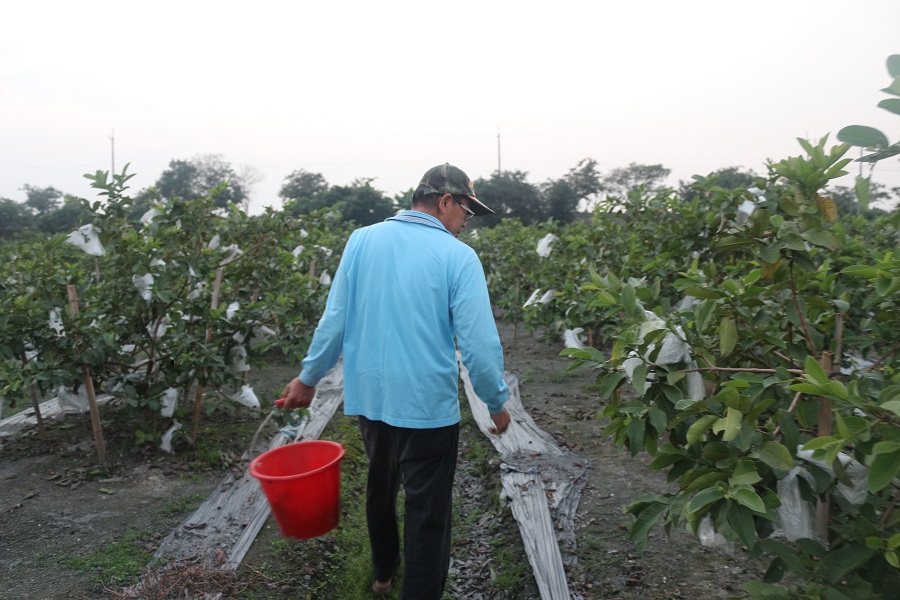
498	149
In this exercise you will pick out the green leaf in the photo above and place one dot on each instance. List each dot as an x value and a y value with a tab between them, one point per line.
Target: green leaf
822	238
699	428
889	152
644	522
892	406
741	521
758	589
862	135
744	473
673	377
728	336
894	88
820	443
893	65
885	447
702	292
815	371
750	499
785	553
610	383
862	271
629	304
838	563
883	469
775	455
703	314
730	424
890	104
705	498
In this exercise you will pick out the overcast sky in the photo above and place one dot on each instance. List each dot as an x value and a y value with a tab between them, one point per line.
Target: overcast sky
387	89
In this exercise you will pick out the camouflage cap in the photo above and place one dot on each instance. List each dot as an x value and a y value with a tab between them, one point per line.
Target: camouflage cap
447	179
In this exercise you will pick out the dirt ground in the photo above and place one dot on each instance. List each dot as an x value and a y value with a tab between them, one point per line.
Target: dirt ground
56	505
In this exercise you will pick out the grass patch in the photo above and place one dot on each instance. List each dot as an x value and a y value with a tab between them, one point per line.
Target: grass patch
183	504
118	563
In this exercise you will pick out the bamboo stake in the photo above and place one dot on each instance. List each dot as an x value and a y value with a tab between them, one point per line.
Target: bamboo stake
823	507
89	386
198	398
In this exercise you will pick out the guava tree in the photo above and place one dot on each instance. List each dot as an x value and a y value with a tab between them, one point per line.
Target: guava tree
779	367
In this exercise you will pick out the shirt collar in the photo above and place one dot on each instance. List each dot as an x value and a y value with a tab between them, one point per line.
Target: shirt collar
414	216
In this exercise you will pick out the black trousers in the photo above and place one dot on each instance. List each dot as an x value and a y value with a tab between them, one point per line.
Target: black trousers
424	461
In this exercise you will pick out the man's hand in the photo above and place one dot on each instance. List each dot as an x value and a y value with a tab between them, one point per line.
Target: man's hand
501	422
296	394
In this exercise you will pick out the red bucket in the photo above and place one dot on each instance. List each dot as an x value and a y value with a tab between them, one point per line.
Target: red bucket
302	482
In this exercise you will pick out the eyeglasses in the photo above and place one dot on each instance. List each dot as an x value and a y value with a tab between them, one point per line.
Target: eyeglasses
469	212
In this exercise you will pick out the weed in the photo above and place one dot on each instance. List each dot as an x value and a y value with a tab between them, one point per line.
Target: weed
118	563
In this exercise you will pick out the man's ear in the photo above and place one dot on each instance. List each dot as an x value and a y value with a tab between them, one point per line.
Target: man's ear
444	203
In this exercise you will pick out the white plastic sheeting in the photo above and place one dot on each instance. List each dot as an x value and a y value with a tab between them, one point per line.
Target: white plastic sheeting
71	402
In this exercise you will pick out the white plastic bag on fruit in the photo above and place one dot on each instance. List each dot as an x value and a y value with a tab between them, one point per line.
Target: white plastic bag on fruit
70	402
856	472
214	242
325	279
232	310
246	397
710	538
55	323
86	238
233	253
545	245
261	334
166	445
143	284
572	338
239	359
169	402
148	216
532	298
674	349
795	515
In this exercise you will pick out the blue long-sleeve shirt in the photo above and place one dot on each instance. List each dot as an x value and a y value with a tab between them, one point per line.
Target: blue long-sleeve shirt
403	290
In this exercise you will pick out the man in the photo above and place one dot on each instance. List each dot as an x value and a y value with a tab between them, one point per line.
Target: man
404	290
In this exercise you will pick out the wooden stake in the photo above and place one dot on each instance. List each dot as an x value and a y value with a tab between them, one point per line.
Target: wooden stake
312	273
36	403
198	398
89	386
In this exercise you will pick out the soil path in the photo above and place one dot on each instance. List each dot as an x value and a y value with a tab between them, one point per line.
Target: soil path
43	525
